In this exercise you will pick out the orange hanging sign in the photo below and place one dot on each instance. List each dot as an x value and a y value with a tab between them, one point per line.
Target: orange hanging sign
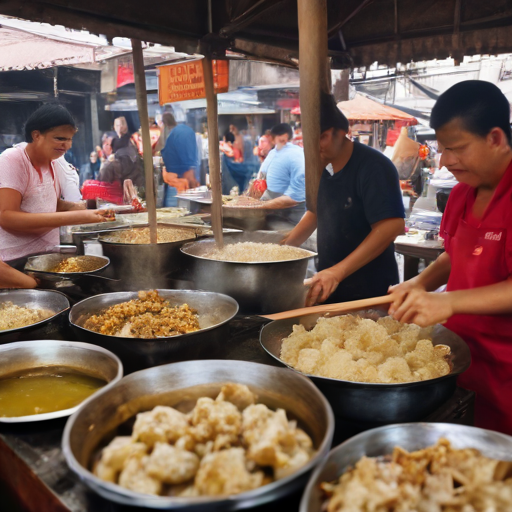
185	81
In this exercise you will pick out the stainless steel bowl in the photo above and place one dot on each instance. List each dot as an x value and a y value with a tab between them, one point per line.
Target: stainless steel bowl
377	403
90	359
214	311
143	266
259	288
179	385
35	299
411	436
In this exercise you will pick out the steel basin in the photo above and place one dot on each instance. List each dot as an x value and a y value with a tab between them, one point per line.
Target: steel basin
144	266
377	403
179	385
412	436
42	264
214	310
259	288
90	359
43	299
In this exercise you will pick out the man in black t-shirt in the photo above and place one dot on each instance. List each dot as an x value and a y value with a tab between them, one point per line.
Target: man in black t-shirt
359	214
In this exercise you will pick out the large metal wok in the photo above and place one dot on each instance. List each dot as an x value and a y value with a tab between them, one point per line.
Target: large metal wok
180	385
35	299
412	436
259	288
214	311
377	403
42	266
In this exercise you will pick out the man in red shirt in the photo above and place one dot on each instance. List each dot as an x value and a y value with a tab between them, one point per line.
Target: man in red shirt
471	120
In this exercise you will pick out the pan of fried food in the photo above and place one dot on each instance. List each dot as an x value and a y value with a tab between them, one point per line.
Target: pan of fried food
201	435
370	367
29	309
57	266
416	466
151	327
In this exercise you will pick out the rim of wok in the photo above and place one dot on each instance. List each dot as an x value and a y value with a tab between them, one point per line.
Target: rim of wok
103	237
7	292
466	362
74	323
185	247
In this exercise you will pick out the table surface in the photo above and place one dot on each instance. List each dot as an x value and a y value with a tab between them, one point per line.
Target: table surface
35	447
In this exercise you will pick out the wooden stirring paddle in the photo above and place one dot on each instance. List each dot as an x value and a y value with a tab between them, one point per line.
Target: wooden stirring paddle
340	307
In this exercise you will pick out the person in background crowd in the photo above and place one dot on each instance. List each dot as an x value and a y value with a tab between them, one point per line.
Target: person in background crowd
69	180
12	278
359	214
90	170
284	170
179	155
265	144
297	136
106	146
121	128
472	124
239	140
227	146
31	210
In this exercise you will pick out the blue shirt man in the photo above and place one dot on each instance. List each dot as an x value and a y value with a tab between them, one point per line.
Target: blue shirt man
284	168
180	155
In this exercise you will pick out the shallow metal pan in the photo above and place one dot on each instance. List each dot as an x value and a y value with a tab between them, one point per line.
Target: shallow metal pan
412	436
377	403
35	299
214	310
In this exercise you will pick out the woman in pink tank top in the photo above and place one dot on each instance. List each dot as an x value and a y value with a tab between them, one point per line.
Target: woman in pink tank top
31	210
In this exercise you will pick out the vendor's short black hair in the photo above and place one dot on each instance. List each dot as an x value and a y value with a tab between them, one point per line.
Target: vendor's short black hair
282	129
46	117
230	137
330	115
480	106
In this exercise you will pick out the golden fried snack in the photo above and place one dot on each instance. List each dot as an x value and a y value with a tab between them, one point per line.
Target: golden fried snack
162	424
121	448
171	465
362	350
223	473
238	394
211	419
135	478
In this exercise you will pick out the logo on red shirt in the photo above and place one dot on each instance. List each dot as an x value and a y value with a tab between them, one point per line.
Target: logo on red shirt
491	235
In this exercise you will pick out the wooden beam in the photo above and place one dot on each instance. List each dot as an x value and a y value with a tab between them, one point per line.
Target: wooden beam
213	152
313	68
142	106
359	8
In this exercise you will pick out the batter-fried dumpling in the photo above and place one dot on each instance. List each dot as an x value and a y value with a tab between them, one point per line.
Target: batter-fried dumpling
224	473
237	394
308	360
290	463
135	478
105	472
210	419
162	424
120	448
171	465
421	355
395	369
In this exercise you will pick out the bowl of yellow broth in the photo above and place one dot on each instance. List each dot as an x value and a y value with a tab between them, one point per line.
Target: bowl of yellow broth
47	379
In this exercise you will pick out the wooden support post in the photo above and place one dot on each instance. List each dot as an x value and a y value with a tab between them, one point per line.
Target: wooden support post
213	152
142	106
313	69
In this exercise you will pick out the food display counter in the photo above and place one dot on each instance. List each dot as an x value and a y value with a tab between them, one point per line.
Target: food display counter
32	464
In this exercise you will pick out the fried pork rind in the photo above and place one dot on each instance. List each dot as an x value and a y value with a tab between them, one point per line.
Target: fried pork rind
362	350
274	441
238	394
219	448
436	479
135	478
225	472
172	465
212	420
162	424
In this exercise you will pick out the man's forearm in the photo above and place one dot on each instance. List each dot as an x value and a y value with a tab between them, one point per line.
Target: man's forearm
435	275
382	234
69	206
37	223
279	202
303	230
495	299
